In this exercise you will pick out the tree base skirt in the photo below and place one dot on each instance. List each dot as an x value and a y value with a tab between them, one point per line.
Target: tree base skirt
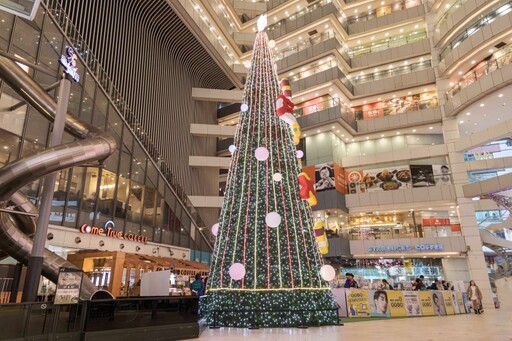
266	308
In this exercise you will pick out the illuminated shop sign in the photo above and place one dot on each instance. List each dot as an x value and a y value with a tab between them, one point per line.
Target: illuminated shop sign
419	247
69	64
108	231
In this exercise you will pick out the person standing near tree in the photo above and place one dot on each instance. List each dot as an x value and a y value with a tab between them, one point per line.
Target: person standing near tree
475	295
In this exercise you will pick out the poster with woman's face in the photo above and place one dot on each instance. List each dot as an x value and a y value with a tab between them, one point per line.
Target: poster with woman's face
442	174
324	176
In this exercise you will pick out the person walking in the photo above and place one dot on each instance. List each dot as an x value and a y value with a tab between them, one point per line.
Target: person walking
475	295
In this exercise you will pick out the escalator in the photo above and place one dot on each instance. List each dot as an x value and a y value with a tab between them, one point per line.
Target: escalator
92	144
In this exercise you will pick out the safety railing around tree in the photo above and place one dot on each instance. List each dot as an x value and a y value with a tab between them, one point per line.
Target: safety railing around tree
399	107
426	64
500	9
388	43
70	32
486	68
346	113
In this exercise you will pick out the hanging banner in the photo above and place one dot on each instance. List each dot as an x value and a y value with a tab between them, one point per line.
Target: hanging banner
68	286
397	303
357	303
324	176
412	303
427	306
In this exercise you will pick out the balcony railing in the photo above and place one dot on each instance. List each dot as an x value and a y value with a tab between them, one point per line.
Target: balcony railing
486	68
391	72
346	113
496	12
452	8
383	11
388	43
72	34
399	107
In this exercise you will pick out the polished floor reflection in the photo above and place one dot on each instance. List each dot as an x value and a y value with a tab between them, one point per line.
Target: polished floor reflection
493	325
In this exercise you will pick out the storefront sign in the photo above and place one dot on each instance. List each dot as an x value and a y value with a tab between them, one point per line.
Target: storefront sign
108	231
435	221
69	64
419	247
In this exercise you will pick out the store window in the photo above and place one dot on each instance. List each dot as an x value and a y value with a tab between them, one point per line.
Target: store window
59	197
74	197
90	196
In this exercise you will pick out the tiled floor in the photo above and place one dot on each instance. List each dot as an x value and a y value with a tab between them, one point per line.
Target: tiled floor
493	325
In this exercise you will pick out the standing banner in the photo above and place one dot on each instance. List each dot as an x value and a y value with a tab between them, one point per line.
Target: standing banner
456	307
438	303
467	302
339	297
427	306
412	303
396	303
357	303
460	302
68	286
449	303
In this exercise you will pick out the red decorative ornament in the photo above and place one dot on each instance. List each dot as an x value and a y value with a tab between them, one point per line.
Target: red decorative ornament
307	189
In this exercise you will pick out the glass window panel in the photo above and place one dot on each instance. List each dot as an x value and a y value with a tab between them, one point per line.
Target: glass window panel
87	99
149	212
37	127
123	186
100	110
9	146
132	228
128	138
74	197
147	231
59	197
115	125
25	41
106	197
31	148
31	190
5	29
159	204
151	172
136	195
89	196
184	241
51	44
166	233
12	120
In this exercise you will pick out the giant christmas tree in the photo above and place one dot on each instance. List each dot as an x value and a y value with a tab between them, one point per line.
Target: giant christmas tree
266	266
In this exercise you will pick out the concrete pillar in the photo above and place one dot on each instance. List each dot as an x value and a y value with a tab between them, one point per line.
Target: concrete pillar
116	273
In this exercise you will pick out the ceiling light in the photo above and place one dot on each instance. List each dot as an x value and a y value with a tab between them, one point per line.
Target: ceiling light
318	131
482	104
491	51
401	30
500	95
414	130
381	135
460	72
387	34
398	133
430	128
430	208
352	140
473	61
461	121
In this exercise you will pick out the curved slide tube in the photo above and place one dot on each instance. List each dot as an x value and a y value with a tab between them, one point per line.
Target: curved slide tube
93	144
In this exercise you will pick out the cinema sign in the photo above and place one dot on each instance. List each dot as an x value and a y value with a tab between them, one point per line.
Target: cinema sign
108	231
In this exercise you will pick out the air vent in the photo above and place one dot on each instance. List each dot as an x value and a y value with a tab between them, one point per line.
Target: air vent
500	45
312	33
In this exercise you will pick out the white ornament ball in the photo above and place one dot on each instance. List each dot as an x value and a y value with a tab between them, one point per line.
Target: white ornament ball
215	229
277	177
327	272
244	107
232	148
237	271
272	44
261	153
300	154
273	219
247	63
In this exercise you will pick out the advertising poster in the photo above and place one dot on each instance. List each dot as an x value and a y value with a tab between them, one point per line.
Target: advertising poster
456	307
354	180
427	306
467	303
310	171
442	175
357	303
340	181
379	303
438	303
339	297
396	303
412	303
422	176
68	286
386	179
448	302
324	176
